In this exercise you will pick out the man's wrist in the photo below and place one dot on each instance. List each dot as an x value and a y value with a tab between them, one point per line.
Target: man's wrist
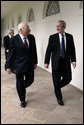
73	62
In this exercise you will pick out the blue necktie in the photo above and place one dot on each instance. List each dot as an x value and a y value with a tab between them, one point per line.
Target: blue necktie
63	46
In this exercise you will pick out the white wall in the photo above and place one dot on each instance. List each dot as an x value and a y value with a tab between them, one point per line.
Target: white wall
42	28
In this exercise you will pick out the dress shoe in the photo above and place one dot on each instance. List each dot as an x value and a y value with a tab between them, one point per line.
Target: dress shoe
60	102
23	104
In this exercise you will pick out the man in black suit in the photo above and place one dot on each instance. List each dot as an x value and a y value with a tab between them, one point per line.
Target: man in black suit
23	56
61	46
6	42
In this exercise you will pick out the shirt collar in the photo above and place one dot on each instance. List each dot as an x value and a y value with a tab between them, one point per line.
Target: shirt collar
22	37
9	35
62	33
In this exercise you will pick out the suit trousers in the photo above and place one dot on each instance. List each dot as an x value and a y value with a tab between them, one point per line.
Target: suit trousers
61	77
23	80
6	54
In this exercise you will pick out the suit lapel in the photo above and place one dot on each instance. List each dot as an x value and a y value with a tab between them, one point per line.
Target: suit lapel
57	35
28	37
66	41
21	43
58	40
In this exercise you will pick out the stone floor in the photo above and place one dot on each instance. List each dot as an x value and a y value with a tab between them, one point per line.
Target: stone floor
42	107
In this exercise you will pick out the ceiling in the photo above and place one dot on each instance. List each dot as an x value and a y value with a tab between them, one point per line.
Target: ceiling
8	6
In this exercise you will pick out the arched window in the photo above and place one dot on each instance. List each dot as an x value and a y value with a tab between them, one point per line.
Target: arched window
19	20
12	23
30	15
51	8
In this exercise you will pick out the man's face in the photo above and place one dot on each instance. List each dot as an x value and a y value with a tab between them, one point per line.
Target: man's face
25	30
12	34
59	28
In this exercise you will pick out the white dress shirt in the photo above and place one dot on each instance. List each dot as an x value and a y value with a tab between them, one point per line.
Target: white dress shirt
22	37
9	35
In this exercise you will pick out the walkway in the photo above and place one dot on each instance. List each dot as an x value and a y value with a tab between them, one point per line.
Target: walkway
42	106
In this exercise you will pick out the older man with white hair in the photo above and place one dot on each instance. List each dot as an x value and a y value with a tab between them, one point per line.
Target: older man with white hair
23	48
6	43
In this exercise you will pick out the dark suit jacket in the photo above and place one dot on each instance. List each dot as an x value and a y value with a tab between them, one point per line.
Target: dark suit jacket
54	49
6	42
20	57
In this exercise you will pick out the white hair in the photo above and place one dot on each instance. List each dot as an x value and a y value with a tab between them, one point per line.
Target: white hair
21	25
10	31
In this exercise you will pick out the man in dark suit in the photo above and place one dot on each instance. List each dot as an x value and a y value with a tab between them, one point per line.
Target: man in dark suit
61	46
6	42
23	56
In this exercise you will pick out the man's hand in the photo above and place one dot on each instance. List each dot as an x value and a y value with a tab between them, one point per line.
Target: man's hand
74	65
9	71
7	51
35	66
46	65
